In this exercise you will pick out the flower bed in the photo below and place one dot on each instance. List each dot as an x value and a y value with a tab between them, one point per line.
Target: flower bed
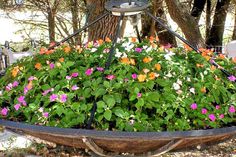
147	88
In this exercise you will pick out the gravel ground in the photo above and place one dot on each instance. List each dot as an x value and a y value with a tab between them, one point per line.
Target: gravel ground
40	148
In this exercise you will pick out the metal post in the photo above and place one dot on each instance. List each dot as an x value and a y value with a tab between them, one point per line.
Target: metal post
114	41
138	34
79	31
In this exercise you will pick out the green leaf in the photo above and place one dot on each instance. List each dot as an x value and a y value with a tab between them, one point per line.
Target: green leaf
119	113
87	92
154	96
60	110
107	114
69	64
100	92
111	102
33	106
101	104
45	87
75	106
140	103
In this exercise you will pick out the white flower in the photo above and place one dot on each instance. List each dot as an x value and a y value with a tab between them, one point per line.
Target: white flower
168	55
169	75
192	90
1	93
40	109
124	55
118	53
179	92
179	82
205	72
93	49
176	86
128	46
188	79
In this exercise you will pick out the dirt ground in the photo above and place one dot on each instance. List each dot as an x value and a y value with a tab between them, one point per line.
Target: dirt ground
44	149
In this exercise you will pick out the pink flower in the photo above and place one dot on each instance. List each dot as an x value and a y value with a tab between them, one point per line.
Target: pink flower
53	97
4	111
204	111
100	69
138	50
8	88
24	103
194	106
139	95
74	75
110	77
31	78
21	99
17	107
45	114
134	76
75	87
217	107
26	90
63	98
212	117
232	78
68	77
232	109
126	79
89	72
52	66
15	84
46	92
106	50
222	116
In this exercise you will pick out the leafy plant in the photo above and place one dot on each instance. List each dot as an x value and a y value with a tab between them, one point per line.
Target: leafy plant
148	87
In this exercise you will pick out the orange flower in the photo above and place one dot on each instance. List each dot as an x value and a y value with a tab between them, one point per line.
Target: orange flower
100	41
213	68
38	66
133	39
142	78
158	66
157	38
203	90
154	45
221	56
42	50
67	49
79	49
187	47
61	59
146	71
108	40
151	39
30	85
199	65
15	71
48	52
152	76
234	60
125	60
132	61
147	59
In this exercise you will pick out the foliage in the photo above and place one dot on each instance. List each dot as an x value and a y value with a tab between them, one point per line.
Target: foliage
147	88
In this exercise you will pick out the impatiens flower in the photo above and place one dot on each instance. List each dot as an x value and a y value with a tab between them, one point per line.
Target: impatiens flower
100	69
146	71
106	50
53	97
40	109
75	87
94	49
110	77
139	95
192	90
89	72
138	50
4	111
194	106
158	66
147	59
61	60
142	78
152	76
232	78
45	114
31	78
52	66
204	111
118	53
217	107
17	107
38	66
68	77
212	117
63	98
15	84
125	60
134	76
232	109
74	75
47	91
176	86
26	90
21	99
126	79
221	116
132	61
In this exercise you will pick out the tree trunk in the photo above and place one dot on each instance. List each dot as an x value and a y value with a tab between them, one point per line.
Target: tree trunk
215	37
208	18
75	14
105	27
234	31
186	22
51	24
151	28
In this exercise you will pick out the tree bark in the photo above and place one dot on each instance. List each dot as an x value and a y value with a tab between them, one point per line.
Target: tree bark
75	14
234	31
186	22
208	18
215	37
151	28
51	24
105	27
